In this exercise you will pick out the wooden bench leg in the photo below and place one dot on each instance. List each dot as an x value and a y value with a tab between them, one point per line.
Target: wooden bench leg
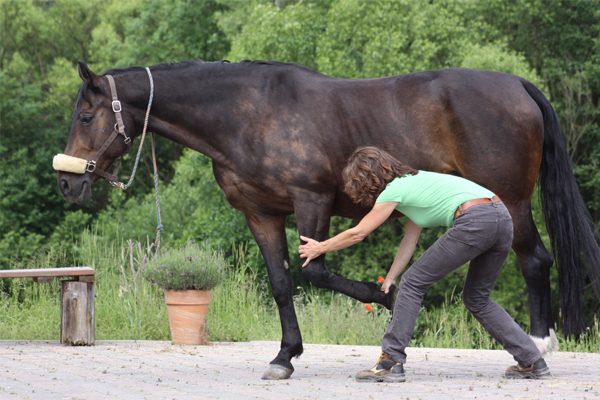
77	325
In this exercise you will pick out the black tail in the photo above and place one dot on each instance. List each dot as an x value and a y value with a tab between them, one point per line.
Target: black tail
568	221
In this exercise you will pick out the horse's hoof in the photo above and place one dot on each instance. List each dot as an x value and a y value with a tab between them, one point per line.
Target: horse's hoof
277	372
394	294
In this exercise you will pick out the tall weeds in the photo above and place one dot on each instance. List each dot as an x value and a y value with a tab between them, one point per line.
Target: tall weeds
242	309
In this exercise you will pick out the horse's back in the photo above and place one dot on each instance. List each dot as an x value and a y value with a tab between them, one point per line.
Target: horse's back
481	125
485	127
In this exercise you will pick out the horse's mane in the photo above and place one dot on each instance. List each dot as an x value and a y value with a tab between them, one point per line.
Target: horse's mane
279	64
163	66
223	64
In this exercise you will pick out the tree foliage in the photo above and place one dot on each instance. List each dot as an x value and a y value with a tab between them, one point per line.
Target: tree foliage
557	48
38	91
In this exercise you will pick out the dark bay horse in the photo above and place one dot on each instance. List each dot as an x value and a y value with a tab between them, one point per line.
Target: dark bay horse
279	136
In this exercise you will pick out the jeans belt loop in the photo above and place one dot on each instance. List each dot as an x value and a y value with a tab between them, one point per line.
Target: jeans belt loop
475	202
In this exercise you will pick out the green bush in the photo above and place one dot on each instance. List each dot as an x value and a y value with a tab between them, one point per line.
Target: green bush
193	267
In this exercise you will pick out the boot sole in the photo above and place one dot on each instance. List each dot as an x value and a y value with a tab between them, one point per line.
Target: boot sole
394	378
540	374
384	378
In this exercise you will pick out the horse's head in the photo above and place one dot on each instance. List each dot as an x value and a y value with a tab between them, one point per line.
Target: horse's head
97	137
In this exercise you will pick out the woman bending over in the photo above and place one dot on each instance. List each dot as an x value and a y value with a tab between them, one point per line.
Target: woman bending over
481	232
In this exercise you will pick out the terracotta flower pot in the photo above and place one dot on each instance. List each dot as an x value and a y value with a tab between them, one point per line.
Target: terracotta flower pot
187	315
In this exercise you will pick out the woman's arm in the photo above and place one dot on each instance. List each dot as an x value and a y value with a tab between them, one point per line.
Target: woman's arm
412	232
313	249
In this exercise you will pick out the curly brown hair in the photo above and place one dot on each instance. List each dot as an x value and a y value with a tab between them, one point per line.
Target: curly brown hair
368	171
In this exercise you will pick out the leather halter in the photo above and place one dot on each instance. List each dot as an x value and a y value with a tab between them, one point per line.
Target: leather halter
119	129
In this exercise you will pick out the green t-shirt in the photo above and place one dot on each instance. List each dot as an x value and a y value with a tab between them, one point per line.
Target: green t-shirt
430	198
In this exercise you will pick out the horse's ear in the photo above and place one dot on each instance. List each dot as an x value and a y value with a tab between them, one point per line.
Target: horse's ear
86	74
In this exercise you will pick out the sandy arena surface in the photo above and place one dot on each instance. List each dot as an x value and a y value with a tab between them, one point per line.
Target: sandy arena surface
47	370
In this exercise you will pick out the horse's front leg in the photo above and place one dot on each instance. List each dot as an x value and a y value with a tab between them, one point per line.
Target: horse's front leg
313	218
269	232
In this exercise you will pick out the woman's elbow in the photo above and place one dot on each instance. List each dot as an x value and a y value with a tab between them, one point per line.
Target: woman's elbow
358	237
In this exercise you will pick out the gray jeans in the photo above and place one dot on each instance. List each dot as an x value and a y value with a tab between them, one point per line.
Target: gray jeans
483	235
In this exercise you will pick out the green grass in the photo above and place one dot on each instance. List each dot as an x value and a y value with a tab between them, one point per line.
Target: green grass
243	310
128	308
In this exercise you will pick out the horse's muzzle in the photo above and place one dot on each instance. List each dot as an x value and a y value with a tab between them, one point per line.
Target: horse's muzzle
73	188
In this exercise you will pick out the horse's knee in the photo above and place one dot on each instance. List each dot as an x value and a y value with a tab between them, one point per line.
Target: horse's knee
281	294
317	275
281	288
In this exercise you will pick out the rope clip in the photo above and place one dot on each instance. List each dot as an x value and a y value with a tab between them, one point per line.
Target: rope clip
118	185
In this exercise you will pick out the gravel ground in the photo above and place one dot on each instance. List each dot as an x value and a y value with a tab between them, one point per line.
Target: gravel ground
159	370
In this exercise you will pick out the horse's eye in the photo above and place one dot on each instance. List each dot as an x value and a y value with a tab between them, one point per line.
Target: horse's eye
86	120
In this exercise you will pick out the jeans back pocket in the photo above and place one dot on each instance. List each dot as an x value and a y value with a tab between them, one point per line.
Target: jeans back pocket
482	232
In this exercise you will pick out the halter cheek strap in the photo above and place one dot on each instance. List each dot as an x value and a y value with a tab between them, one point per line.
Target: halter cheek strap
118	130
116	106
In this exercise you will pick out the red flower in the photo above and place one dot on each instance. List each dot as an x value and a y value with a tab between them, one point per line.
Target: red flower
380	279
368	307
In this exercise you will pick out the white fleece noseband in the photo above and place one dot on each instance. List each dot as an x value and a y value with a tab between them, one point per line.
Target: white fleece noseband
65	163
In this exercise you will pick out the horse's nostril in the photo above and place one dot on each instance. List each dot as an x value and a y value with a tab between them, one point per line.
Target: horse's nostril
64	185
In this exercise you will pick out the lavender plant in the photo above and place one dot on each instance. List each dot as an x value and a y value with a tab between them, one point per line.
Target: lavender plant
193	267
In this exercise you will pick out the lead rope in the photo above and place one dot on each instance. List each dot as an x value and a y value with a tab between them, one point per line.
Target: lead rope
123	186
159	227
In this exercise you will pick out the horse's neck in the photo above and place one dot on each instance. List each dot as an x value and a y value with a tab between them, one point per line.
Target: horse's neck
198	115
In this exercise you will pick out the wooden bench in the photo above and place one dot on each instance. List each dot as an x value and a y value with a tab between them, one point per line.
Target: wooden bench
77	316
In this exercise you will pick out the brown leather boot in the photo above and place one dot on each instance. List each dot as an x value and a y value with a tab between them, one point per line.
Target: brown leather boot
537	370
385	370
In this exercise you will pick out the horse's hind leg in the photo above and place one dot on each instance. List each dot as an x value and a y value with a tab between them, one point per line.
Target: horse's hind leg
269	232
535	263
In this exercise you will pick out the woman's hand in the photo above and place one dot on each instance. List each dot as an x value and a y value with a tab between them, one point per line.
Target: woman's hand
387	284
310	250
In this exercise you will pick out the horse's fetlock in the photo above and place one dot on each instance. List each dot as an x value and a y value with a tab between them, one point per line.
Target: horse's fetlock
298	351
